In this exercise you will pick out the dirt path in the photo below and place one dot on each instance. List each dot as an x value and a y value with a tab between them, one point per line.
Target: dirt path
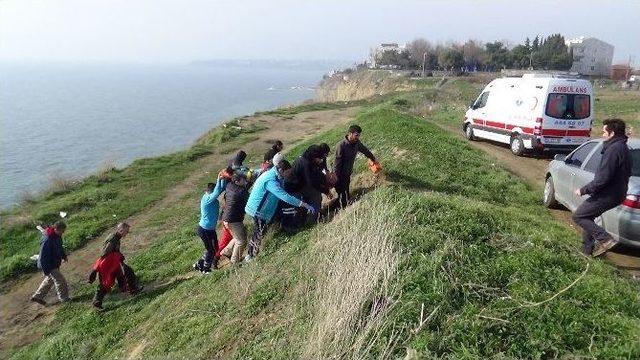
533	170
22	322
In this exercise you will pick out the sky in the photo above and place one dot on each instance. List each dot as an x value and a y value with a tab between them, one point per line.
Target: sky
164	31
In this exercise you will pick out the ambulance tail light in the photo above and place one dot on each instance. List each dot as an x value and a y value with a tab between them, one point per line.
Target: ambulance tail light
537	130
632	201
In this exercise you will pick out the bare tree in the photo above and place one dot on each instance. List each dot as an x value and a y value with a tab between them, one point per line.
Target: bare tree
472	51
417	50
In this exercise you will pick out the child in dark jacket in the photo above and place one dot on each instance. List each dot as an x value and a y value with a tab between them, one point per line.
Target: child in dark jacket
49	260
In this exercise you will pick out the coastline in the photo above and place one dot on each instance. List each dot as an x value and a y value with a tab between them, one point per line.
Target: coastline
107	115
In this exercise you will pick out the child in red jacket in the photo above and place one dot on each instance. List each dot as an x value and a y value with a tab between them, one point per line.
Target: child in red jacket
110	267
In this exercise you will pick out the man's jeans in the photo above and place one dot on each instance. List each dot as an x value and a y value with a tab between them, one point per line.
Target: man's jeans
260	227
210	241
54	278
584	216
342	188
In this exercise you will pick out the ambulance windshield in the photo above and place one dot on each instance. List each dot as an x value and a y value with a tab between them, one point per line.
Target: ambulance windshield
568	106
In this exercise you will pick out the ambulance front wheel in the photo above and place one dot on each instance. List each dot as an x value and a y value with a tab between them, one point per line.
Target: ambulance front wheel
468	132
517	146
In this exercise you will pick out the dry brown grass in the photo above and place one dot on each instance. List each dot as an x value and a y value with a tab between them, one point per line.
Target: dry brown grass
61	183
104	169
352	294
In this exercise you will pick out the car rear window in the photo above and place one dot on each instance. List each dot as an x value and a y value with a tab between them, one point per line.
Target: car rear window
568	106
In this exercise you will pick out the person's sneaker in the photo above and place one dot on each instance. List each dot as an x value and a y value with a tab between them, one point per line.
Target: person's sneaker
39	301
248	258
198	265
205	270
97	306
604	247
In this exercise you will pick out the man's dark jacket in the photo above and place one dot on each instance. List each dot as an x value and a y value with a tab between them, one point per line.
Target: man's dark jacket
346	155
308	175
235	200
612	176
51	251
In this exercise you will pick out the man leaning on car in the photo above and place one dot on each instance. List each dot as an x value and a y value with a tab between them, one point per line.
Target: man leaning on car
608	188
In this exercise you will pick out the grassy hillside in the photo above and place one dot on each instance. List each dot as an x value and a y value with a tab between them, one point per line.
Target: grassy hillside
444	233
100	201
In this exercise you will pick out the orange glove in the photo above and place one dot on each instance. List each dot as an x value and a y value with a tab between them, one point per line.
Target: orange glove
375	166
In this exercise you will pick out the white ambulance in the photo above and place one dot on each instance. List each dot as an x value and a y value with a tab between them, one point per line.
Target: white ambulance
535	112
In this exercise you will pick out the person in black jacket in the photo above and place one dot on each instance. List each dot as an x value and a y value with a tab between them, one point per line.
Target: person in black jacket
346	152
49	260
236	195
310	181
607	189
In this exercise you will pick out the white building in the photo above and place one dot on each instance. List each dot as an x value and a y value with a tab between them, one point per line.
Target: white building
591	56
376	52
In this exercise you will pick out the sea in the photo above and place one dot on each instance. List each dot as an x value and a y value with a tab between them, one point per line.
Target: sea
70	119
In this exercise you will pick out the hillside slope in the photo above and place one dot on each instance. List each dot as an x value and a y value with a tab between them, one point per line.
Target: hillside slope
444	256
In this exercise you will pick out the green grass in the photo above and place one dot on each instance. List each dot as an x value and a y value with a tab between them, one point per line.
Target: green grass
616	103
474	242
319	106
100	201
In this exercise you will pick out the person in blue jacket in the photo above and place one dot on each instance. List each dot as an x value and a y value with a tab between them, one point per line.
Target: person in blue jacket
263	202
49	260
209	210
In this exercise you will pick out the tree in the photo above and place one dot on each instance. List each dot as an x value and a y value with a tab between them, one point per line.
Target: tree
451	59
473	53
387	57
497	56
417	50
553	54
404	60
520	56
432	60
536	44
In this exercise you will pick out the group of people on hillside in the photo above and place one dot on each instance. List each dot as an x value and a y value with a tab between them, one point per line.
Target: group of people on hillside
278	190
290	193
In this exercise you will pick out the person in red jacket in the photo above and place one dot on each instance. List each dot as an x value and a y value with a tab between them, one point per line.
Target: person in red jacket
110	267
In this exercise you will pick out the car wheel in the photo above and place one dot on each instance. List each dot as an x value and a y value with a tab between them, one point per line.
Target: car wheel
517	146
549	196
468	132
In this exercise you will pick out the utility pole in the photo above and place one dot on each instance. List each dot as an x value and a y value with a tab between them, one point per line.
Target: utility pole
424	61
531	60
